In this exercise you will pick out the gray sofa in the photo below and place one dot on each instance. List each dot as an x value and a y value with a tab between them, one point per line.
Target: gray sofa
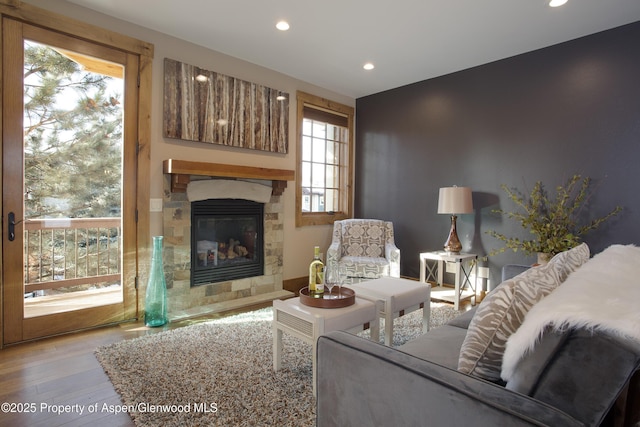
574	378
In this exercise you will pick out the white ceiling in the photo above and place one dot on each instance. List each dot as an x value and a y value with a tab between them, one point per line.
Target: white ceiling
407	40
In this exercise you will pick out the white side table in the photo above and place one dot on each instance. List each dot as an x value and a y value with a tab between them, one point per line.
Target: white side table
466	264
397	297
308	323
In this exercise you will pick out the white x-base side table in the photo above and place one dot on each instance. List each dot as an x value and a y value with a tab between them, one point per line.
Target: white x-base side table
396	297
308	323
465	265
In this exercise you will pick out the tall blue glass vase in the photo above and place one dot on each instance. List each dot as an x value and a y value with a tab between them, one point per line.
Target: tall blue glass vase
155	304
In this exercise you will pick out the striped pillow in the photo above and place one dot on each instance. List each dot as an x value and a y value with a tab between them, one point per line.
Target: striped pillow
502	312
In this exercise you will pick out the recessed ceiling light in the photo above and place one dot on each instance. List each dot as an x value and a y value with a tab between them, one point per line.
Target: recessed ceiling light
556	3
368	66
282	25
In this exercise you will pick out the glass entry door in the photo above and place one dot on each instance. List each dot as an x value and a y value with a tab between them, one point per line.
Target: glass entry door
65	160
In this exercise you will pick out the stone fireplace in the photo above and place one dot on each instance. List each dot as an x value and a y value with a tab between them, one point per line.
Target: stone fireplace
191	296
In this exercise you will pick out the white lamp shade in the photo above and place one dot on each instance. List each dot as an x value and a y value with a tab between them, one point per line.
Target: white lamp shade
455	200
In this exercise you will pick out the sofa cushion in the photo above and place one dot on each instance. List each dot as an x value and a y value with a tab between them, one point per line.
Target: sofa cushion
502	312
440	345
601	294
364	266
464	319
531	367
510	271
589	369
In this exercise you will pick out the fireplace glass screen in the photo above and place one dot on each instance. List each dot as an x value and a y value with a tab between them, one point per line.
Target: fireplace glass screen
226	240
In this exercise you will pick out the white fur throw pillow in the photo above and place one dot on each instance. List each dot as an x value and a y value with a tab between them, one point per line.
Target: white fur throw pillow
603	294
503	311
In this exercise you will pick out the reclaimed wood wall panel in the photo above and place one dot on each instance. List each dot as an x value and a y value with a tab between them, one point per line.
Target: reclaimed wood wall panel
205	106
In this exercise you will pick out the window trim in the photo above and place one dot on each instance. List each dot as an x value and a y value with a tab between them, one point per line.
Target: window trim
346	188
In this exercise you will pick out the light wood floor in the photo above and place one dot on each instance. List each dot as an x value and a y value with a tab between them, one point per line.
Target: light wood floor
64	371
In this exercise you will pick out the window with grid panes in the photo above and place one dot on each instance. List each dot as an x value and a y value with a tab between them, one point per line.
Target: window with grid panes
325	133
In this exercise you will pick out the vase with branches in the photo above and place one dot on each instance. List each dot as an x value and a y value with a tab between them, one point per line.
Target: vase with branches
556	224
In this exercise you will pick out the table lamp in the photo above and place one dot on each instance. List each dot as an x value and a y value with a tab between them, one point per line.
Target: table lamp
454	200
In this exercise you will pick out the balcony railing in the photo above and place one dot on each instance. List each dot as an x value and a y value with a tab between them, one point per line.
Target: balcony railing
68	252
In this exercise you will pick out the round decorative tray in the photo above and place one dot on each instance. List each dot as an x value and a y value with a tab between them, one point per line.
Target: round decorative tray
345	298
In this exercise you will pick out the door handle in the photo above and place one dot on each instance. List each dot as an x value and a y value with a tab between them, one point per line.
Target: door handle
12	226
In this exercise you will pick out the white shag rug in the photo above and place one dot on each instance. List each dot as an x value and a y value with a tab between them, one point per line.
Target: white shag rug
220	373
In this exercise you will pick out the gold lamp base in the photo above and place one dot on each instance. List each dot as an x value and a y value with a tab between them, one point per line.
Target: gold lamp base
453	245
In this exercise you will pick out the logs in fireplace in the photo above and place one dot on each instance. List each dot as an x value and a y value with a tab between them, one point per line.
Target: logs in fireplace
227	238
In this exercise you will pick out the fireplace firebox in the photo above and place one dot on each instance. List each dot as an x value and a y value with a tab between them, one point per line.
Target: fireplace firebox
226	240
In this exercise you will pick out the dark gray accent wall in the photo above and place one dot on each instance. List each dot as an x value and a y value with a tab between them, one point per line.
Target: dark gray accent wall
544	115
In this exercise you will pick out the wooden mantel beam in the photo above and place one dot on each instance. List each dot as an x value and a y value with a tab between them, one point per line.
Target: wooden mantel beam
181	170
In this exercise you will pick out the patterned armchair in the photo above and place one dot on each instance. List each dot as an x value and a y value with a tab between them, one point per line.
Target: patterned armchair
366	248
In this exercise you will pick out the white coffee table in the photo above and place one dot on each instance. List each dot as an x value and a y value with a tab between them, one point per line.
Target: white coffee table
396	297
308	323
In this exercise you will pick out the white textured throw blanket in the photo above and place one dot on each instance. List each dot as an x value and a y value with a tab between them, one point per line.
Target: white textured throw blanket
604	294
